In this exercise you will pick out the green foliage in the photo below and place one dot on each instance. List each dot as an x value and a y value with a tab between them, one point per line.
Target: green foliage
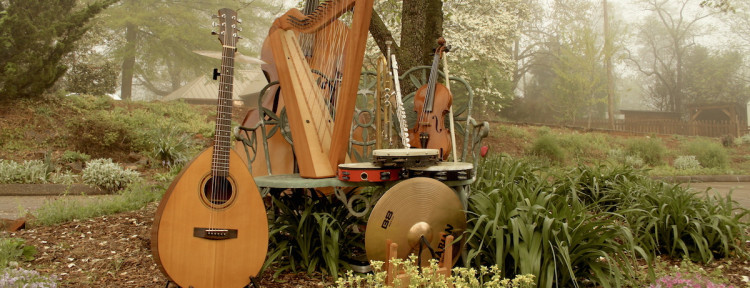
651	150
74	156
34	37
428	277
310	234
14	250
104	129
709	153
171	148
547	146
108	176
95	79
64	209
673	220
28	172
512	131
518	222
686	162
63	177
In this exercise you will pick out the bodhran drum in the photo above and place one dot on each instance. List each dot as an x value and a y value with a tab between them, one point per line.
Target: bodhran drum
367	172
444	171
405	157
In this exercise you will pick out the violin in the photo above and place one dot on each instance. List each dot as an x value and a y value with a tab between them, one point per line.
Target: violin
431	102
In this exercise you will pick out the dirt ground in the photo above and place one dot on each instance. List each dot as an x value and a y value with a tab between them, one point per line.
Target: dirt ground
114	251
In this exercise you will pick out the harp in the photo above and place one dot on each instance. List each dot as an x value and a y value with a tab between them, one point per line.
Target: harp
319	87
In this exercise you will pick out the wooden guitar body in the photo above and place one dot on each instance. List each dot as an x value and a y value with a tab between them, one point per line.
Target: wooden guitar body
209	260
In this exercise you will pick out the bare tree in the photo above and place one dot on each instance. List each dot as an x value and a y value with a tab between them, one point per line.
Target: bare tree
665	38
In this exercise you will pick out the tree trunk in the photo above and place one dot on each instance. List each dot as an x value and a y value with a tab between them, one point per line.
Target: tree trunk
422	24
128	64
608	63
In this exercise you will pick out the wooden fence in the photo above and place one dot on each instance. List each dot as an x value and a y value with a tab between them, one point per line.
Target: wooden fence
692	128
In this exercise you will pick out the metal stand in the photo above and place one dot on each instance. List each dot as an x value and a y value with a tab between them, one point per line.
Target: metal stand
253	281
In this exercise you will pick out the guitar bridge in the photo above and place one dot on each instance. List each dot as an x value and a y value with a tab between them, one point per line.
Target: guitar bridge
214	234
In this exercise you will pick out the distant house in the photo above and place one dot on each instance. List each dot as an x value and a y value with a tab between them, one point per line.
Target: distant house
204	90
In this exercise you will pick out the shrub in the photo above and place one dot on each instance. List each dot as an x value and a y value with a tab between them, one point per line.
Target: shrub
74	156
22	278
28	172
100	132
650	150
547	146
108	176
686	162
709	153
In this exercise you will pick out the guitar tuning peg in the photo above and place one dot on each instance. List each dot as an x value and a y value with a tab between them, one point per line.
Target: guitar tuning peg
239	20
213	24
214	33
239	29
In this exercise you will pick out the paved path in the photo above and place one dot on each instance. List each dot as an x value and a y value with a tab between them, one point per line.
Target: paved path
10	206
740	190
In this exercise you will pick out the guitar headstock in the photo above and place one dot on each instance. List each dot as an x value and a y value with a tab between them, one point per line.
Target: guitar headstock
228	30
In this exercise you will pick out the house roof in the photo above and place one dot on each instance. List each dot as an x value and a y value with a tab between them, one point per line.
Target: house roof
247	84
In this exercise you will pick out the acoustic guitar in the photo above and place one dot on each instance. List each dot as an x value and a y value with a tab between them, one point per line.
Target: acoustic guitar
211	229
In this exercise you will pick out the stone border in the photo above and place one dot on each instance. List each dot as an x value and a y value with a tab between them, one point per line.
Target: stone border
704	178
48	190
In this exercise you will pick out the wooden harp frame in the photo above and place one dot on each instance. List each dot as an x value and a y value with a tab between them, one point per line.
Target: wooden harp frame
318	148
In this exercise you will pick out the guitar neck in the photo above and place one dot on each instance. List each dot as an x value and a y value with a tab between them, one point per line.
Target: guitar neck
223	132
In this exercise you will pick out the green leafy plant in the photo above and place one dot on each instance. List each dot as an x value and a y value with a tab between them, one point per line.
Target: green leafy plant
309	233
673	220
14	250
108	176
171	148
522	223
28	172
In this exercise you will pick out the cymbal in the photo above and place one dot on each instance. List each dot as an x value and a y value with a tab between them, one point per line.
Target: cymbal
411	209
237	57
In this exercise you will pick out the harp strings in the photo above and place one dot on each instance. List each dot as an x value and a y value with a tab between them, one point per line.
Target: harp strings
324	51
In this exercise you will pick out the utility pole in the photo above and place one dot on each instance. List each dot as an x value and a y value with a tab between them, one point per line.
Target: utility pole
608	64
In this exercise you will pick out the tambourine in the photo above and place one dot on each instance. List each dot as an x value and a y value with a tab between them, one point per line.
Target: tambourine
367	172
444	171
405	157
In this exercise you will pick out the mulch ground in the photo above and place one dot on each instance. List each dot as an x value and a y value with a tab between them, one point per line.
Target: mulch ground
114	251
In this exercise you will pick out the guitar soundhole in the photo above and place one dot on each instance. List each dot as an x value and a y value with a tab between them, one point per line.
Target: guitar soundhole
218	192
